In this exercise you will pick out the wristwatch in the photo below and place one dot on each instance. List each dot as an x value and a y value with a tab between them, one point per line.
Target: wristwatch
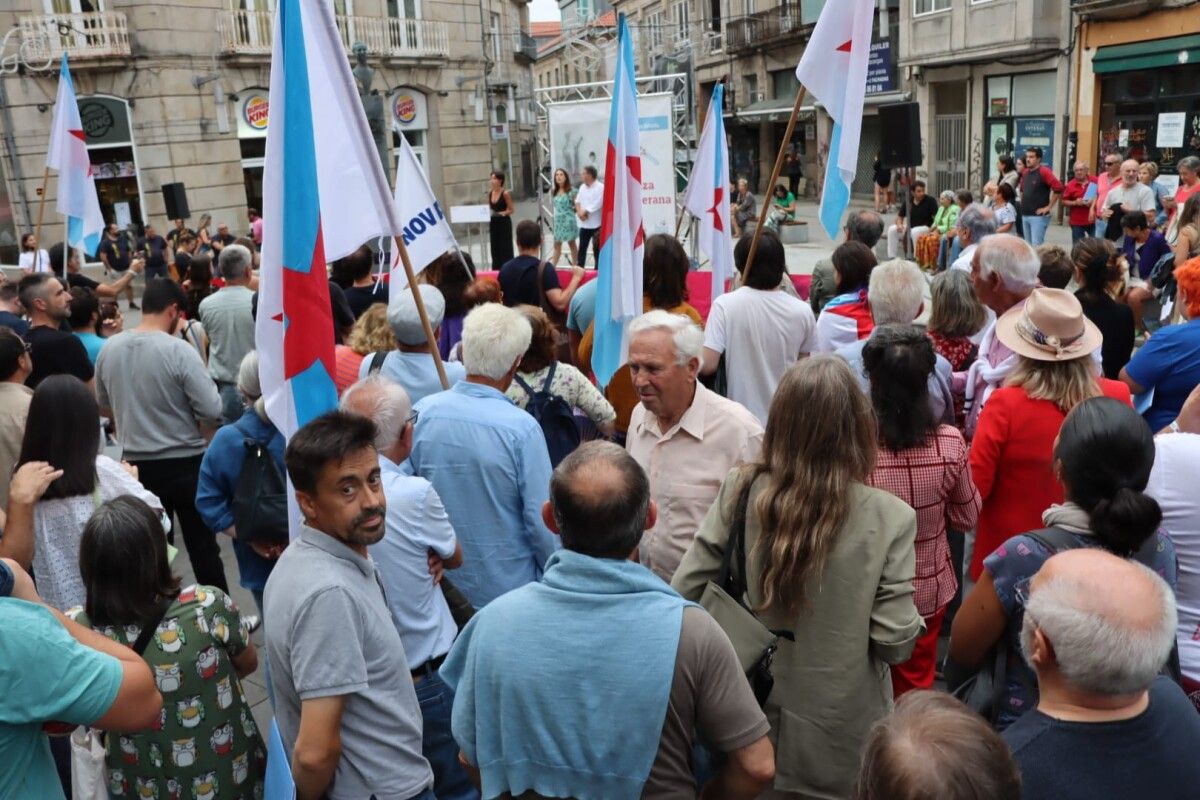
1174	426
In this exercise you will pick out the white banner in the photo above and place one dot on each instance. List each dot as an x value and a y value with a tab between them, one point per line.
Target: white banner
579	138
426	233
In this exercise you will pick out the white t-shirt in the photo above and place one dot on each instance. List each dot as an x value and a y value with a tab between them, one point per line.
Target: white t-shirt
762	333
1173	485
1139	197
591	200
26	261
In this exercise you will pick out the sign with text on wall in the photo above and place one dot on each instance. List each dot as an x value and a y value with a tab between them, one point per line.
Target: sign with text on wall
881	76
579	138
253	112
409	110
1034	133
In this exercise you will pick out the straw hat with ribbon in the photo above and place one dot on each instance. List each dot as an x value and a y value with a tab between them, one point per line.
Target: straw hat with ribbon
1049	326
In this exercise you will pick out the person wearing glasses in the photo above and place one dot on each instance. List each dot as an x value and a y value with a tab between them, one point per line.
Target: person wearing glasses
417	544
1104	181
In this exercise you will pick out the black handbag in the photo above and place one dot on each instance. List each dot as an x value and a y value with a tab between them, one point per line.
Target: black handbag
754	643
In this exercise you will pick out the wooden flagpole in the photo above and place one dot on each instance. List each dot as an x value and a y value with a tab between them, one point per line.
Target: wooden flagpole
416	293
37	231
770	193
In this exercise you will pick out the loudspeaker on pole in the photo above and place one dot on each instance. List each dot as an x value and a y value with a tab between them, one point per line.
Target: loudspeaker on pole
175	197
900	126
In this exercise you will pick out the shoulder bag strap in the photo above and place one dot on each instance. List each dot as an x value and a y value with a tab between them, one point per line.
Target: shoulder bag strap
377	362
521	382
1054	539
549	377
150	627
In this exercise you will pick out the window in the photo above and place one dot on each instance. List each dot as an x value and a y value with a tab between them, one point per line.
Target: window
784	84
750	85
404	9
679	18
494	35
1020	111
654	29
810	10
929	6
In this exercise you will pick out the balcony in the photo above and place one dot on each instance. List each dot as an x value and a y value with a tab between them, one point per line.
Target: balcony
1114	9
766	29
525	47
247	34
90	36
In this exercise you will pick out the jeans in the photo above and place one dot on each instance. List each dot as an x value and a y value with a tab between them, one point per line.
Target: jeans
173	481
425	795
232	404
589	236
1101	227
450	781
1034	228
1080	232
954	246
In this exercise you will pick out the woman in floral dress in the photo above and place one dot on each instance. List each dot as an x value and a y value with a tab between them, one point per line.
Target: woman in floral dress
566	226
205	744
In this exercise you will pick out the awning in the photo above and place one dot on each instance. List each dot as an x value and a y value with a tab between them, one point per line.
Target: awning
774	110
1147	55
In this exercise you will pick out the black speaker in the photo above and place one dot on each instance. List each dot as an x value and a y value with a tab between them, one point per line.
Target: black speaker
175	196
900	135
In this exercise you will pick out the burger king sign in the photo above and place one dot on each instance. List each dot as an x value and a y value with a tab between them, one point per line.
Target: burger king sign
405	108
255	110
408	110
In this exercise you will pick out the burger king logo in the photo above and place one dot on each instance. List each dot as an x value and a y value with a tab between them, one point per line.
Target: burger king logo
255	112
405	108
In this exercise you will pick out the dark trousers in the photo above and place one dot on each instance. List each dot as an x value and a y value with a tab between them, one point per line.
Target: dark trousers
589	236
1079	232
173	481
794	184
450	781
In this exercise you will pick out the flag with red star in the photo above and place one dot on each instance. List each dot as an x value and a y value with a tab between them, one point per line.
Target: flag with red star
67	154
707	197
324	194
619	277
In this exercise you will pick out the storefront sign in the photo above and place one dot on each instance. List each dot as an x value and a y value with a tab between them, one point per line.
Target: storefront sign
105	120
1170	129
881	74
1034	133
409	111
998	107
253	114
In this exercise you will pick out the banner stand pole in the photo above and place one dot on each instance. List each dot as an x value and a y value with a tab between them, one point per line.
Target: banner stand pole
416	293
770	193
37	233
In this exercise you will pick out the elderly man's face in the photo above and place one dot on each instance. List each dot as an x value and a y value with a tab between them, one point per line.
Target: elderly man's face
664	386
1112	165
984	287
1129	172
223	230
1081	171
743	187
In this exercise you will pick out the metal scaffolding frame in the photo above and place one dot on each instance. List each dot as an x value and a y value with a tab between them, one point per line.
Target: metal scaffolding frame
681	118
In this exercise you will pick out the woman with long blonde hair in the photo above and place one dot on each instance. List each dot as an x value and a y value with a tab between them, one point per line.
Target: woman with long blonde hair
371	334
830	564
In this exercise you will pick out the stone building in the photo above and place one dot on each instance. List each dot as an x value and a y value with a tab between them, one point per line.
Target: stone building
177	92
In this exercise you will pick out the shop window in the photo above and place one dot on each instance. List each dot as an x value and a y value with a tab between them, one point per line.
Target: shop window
784	84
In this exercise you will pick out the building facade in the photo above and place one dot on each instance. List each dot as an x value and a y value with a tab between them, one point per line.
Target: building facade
1137	78
992	78
178	93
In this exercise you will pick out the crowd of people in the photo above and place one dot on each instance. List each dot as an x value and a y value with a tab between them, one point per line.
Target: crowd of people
748	566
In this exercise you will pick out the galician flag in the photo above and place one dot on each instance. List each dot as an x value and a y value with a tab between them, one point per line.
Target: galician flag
426	232
324	194
619	281
834	69
707	198
68	156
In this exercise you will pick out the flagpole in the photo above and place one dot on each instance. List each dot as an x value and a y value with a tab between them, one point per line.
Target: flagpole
770	193
37	231
416	293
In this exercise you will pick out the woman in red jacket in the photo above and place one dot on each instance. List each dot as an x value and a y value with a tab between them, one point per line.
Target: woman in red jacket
1011	454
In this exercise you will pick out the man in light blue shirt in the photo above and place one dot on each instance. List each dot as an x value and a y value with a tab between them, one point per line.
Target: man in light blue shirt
418	533
580	314
412	365
488	460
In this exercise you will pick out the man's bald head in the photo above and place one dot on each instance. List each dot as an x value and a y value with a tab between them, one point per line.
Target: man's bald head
1110	622
600	498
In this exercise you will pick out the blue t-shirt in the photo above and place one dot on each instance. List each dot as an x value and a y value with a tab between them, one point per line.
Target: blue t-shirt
1169	363
582	310
92	343
1013	565
44	675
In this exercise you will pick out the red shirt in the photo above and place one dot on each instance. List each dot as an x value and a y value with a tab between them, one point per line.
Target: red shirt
345	367
934	479
1075	190
1012	464
1181	196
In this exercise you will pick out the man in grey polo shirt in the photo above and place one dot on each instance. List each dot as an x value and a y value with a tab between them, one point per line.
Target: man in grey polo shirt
344	696
228	321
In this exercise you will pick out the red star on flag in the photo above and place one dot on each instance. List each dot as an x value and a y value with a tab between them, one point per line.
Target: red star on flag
718	194
309	333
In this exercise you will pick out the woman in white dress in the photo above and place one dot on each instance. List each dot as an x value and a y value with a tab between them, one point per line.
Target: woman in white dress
33	258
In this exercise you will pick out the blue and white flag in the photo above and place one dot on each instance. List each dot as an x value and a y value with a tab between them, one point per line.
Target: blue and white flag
426	233
68	155
834	69
707	197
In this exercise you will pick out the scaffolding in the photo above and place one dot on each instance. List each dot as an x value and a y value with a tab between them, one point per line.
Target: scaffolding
681	118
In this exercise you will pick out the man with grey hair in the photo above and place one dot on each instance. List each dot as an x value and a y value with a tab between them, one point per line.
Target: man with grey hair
861	226
228	320
896	294
1129	195
974	223
418	539
488	460
685	436
1189	183
533	669
1004	269
745	210
1098	630
411	365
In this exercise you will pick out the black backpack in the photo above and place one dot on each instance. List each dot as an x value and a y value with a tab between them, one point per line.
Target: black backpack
260	511
554	415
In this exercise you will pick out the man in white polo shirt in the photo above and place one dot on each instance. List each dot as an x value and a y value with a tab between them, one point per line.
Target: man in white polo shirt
588	202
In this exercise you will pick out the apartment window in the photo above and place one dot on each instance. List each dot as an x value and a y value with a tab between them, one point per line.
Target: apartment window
750	86
583	10
495	35
654	29
784	84
404	9
810	10
929	6
679	18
